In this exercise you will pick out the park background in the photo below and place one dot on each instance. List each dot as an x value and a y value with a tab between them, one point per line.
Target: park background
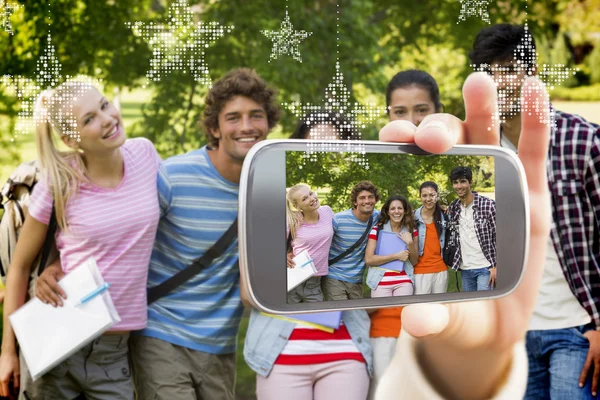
377	38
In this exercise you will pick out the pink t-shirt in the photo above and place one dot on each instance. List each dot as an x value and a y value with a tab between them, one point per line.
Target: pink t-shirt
114	226
316	239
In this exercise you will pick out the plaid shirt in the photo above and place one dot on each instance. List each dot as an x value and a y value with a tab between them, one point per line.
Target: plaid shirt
484	215
573	169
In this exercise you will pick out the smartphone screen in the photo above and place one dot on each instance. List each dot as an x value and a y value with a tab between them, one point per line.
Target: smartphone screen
386	225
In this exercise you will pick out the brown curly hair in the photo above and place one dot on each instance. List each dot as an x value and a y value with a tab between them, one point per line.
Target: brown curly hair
238	82
359	187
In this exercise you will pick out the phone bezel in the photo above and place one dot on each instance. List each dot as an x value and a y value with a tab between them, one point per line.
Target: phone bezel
261	225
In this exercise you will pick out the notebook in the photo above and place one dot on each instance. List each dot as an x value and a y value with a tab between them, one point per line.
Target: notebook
47	335
304	269
389	243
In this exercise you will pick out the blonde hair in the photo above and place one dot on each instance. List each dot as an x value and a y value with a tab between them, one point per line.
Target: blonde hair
64	170
293	217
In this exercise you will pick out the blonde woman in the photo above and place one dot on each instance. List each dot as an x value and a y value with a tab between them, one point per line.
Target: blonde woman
310	228
106	203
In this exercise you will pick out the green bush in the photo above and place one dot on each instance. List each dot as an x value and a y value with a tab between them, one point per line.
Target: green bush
582	93
593	63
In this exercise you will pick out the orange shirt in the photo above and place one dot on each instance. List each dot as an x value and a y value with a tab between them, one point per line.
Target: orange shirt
431	261
385	322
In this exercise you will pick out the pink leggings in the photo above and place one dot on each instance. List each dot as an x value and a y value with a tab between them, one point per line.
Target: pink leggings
347	380
400	289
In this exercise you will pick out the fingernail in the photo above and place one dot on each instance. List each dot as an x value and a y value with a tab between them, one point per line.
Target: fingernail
580	384
436	124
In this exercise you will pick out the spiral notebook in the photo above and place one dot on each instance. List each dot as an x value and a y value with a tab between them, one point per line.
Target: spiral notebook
47	335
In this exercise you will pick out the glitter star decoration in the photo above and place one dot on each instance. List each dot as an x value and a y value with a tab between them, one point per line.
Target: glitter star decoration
180	44
474	8
509	76
286	40
47	76
6	11
336	102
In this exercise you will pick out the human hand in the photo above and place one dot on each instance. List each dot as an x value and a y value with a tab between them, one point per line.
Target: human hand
459	338
47	288
592	360
403	255
9	373
290	260
406	237
492	281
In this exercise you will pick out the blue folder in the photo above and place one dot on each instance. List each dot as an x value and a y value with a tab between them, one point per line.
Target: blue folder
389	243
330	319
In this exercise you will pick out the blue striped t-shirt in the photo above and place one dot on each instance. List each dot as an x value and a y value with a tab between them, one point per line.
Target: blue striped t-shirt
197	206
347	230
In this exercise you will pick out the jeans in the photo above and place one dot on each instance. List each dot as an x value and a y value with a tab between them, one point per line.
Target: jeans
556	357
475	279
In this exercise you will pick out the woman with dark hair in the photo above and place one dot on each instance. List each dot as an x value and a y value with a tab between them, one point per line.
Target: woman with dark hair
396	216
431	273
412	95
324	125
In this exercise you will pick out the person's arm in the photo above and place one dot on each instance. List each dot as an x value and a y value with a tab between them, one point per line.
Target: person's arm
17	281
466	351
164	188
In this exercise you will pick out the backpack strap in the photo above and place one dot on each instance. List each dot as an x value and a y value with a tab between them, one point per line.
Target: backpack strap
48	241
216	250
355	245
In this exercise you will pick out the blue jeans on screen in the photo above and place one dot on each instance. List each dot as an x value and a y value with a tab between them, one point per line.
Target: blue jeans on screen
475	279
556	357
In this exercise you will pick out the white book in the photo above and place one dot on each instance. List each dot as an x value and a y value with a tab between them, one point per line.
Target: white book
304	269
47	335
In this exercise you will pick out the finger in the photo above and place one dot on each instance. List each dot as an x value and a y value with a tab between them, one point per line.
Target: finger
585	370
51	295
56	287
17	379
422	320
482	125
437	133
398	131
595	378
533	150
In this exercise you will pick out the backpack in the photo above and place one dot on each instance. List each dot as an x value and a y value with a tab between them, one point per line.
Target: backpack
14	200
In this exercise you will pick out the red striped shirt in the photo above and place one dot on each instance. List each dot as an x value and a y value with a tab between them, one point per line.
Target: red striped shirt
308	345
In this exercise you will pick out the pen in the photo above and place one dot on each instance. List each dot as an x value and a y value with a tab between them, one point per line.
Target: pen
99	290
306	263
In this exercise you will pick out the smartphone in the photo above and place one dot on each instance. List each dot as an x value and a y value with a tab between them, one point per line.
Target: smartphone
482	214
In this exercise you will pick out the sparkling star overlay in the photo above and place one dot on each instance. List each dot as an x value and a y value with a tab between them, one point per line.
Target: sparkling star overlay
6	11
337	101
286	40
46	77
181	44
506	77
474	8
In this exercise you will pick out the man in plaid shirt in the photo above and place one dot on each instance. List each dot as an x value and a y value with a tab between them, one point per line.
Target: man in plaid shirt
473	233
563	341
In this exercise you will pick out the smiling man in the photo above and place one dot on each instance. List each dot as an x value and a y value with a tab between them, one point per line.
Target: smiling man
188	349
473	220
347	254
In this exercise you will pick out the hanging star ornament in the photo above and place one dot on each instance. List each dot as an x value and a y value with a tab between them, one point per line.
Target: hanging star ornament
180	44
286	40
6	11
474	8
47	76
337	102
509	77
